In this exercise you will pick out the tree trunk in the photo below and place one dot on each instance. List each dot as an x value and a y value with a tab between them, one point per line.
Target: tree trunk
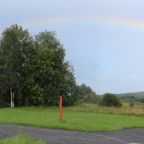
12	98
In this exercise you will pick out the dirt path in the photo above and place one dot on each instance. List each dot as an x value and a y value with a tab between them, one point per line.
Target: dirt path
52	136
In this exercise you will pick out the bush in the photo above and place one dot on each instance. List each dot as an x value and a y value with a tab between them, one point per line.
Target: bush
109	100
131	104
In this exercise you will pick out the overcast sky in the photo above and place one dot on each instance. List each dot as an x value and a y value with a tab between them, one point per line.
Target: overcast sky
104	39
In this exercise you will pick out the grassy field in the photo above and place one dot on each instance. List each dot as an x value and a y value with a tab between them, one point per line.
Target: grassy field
75	118
20	139
136	110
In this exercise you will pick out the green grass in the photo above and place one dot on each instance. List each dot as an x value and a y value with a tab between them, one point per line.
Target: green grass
72	119
21	139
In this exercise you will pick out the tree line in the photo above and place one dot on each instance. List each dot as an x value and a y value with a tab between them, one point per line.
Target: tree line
33	70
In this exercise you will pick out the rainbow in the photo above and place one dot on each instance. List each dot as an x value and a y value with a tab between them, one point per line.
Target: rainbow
103	19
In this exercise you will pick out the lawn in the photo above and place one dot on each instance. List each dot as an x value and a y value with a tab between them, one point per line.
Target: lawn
21	139
72	119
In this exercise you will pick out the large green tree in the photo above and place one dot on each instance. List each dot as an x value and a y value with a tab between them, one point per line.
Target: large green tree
15	48
52	75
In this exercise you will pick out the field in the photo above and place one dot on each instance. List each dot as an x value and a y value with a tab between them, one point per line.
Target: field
136	110
20	139
84	117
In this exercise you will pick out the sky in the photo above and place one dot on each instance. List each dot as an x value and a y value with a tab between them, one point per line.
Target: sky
104	39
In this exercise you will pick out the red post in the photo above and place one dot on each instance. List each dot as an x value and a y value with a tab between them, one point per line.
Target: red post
60	107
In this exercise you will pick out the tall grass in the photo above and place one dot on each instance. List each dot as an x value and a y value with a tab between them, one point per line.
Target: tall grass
137	110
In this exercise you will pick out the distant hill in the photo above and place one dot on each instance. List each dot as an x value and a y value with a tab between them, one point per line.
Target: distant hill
132	94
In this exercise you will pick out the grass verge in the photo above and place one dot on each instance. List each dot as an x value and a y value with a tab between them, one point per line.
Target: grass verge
21	139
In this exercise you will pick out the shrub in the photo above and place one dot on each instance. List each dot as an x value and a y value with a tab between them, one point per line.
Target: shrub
131	104
109	100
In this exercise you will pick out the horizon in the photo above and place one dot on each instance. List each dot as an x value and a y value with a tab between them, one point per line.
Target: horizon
131	92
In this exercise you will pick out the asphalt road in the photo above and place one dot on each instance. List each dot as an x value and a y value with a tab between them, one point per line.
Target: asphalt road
53	136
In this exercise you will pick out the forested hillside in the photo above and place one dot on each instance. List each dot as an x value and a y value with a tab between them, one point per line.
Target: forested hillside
135	96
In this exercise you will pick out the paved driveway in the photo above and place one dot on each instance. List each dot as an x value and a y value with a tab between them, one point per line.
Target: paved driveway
53	136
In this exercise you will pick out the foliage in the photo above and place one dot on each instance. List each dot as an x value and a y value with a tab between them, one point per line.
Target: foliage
137	97
33	71
131	104
86	94
132	99
15	47
21	139
109	99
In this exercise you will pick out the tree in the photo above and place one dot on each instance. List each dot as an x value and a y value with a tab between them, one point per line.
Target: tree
109	100
14	54
50	70
85	94
48	74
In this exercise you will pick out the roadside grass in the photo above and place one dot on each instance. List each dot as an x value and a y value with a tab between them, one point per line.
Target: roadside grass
21	139
74	118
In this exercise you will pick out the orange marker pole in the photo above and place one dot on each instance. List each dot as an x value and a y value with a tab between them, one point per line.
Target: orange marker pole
60	107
